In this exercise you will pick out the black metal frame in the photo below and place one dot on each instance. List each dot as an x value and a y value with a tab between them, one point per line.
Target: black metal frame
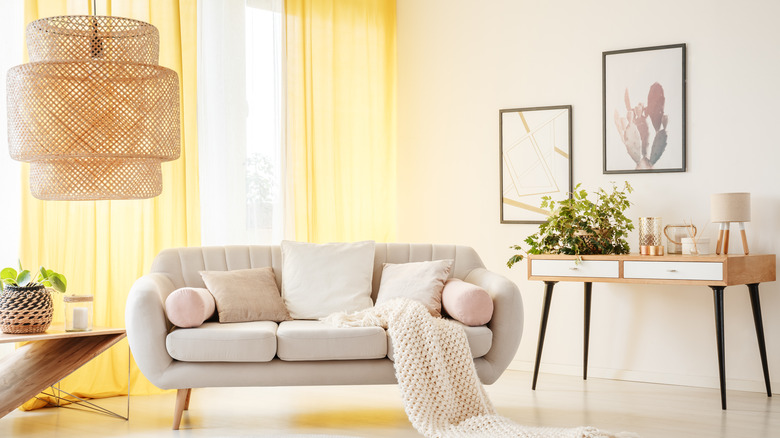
604	109
501	156
755	303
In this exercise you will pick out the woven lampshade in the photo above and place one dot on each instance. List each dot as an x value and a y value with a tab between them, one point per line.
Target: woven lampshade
93	113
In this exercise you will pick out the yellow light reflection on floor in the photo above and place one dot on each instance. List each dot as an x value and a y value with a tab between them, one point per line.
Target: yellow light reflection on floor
352	418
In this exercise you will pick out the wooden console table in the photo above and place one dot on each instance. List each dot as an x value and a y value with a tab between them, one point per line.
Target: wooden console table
47	359
714	271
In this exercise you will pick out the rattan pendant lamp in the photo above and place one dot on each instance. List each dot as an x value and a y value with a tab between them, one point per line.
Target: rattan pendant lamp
92	112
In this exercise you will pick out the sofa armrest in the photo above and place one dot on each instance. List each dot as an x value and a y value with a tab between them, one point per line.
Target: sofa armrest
147	326
507	321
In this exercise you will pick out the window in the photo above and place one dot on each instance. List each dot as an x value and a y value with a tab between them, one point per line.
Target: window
240	121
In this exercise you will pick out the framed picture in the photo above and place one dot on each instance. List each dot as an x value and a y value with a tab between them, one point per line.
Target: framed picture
535	151
644	109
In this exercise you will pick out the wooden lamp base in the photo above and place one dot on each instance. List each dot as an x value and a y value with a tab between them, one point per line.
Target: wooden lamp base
723	238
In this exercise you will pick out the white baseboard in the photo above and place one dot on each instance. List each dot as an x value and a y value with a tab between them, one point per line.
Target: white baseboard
647	377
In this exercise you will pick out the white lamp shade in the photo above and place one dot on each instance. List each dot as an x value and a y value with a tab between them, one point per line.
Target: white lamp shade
730	207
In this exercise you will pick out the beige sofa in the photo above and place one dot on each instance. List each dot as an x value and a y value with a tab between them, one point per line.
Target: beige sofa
297	352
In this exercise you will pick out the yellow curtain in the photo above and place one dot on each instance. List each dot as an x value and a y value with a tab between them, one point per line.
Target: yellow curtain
341	118
102	247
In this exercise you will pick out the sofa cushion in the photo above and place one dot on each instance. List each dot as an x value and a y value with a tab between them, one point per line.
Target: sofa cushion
246	295
466	302
215	342
189	306
421	281
480	340
314	340
320	279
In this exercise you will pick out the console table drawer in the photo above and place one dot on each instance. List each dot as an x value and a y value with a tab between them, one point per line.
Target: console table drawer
674	270
569	268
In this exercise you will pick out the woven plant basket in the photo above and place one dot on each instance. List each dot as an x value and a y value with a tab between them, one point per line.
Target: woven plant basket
25	309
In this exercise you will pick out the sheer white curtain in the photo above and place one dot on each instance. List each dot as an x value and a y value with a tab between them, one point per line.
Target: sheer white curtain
240	121
12	37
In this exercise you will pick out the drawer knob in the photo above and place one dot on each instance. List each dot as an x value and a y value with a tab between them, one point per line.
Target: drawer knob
574	268
671	270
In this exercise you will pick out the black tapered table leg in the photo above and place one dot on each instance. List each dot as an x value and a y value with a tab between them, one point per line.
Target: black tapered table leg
586	339
717	292
543	327
755	303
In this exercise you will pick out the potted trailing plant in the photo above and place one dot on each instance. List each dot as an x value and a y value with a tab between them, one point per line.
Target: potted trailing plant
25	301
579	226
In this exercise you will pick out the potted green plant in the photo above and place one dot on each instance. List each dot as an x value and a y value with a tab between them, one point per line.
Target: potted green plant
579	226
25	301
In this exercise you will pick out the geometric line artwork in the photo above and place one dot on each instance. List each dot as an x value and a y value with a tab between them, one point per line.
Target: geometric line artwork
535	151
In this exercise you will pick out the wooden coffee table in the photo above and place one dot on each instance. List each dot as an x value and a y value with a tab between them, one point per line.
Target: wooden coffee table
48	358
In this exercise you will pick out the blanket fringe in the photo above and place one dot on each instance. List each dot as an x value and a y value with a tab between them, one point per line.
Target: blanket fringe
489	426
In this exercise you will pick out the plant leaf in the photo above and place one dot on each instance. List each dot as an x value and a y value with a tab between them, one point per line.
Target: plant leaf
515	258
24	278
8	274
58	282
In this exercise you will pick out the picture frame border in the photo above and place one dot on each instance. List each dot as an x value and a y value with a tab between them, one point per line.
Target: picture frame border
684	164
501	112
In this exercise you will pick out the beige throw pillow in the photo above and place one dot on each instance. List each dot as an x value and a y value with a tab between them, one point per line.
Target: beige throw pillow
320	279
246	295
421	281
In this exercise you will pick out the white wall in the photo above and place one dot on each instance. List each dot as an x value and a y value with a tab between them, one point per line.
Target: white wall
461	61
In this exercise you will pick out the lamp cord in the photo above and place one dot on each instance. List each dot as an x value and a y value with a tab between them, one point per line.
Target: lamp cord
96	45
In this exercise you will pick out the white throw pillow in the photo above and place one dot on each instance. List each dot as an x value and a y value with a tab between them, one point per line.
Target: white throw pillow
320	279
421	281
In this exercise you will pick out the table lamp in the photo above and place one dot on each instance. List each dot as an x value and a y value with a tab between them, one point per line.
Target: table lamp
726	208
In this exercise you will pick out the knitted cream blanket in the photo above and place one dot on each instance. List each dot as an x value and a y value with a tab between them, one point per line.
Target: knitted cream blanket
442	395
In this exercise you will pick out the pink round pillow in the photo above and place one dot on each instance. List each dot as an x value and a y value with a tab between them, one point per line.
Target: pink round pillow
189	306
468	303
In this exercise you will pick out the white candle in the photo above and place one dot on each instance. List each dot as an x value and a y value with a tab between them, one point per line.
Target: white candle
80	318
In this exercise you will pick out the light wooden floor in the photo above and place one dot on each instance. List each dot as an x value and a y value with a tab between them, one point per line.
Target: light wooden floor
376	411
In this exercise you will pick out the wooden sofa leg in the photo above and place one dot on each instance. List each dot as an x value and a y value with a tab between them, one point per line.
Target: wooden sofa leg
182	403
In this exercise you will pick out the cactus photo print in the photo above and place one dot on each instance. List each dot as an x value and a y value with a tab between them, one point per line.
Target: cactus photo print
644	109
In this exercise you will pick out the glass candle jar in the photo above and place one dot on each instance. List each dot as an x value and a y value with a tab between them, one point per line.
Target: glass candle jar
78	313
650	232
